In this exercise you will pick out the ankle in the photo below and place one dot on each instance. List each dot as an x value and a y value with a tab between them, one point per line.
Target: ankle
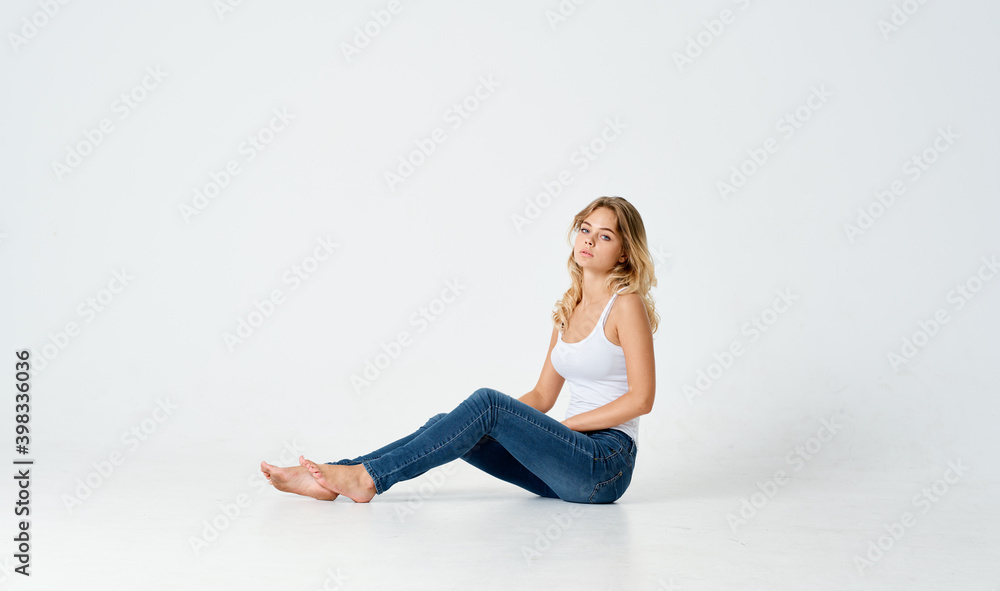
365	477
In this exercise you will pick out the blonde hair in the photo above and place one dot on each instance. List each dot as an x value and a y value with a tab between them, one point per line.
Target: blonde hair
635	275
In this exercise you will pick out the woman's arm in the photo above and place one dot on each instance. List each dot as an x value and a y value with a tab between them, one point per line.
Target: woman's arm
620	410
534	400
636	338
543	396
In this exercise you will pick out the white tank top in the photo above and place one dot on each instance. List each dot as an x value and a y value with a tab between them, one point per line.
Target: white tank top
595	371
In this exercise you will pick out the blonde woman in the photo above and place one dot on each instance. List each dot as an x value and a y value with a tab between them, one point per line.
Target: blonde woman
602	344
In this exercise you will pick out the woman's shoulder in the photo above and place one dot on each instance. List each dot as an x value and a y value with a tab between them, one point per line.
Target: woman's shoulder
629	308
631	296
629	302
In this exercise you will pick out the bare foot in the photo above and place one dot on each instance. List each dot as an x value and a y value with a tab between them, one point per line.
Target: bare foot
296	479
351	481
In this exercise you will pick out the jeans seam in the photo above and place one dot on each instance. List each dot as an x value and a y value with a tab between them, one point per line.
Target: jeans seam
441	444
620	449
375	478
543	428
525	418
601	485
613	454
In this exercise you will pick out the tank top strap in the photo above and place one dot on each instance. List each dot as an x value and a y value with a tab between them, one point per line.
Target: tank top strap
607	311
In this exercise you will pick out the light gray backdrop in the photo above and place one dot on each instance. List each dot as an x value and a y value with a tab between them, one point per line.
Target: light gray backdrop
826	169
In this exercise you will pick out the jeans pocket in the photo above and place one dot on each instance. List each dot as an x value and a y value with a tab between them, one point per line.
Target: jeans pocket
609	490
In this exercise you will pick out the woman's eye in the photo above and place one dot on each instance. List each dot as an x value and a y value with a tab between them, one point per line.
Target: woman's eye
605	236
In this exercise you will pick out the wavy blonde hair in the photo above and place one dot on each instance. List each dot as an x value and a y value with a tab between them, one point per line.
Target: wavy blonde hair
635	275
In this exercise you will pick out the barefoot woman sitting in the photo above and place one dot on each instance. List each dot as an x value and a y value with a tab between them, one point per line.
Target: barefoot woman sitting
604	351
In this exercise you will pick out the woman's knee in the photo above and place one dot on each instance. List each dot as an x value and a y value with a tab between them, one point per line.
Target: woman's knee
485	396
435	419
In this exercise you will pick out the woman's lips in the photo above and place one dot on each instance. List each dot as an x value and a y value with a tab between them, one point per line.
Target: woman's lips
586	254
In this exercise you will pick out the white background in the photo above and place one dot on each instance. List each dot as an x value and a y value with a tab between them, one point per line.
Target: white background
721	260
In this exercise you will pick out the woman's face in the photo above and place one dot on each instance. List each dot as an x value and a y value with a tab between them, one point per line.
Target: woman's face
598	246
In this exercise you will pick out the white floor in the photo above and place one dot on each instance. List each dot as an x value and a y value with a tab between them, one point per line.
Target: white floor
456	528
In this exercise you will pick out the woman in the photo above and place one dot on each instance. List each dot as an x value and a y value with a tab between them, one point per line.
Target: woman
604	351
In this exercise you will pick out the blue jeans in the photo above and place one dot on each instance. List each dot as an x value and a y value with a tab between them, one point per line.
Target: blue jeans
515	442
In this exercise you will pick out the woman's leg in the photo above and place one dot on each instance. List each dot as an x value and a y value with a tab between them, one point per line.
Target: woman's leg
487	455
491	457
577	467
387	448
